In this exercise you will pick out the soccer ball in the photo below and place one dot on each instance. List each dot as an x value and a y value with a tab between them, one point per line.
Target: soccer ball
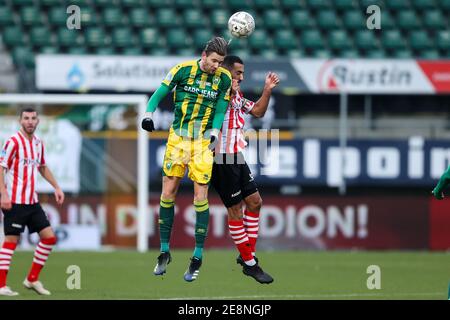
241	24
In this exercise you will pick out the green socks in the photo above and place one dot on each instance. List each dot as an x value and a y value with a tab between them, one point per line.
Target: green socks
166	214
201	226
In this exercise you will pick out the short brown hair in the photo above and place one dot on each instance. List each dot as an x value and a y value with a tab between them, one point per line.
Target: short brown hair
218	45
27	109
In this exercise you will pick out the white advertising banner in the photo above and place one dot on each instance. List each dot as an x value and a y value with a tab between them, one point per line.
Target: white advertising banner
62	141
92	72
363	76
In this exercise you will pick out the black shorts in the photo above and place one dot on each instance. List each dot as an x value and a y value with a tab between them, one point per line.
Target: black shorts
232	179
23	215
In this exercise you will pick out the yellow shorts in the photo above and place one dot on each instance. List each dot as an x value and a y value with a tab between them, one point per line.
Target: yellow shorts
182	153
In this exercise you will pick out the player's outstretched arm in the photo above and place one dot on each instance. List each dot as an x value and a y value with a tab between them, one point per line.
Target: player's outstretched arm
262	104
147	122
444	181
47	175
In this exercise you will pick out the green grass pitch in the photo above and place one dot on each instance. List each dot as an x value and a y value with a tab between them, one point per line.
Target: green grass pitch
298	275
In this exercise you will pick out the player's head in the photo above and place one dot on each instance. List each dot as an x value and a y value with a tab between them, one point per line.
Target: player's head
213	54
235	65
29	120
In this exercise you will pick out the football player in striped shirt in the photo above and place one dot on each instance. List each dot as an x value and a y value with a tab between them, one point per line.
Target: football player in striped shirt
22	157
231	176
202	93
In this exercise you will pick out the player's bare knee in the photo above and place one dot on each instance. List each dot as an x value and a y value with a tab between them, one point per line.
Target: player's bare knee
254	204
12	239
235	212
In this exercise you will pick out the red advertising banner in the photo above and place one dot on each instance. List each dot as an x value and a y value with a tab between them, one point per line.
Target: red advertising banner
311	222
440	224
438	72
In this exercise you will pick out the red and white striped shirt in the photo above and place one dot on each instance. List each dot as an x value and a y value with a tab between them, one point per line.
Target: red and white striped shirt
22	158
232	136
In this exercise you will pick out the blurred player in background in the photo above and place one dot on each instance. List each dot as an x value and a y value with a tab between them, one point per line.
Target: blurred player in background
232	178
22	157
201	98
444	181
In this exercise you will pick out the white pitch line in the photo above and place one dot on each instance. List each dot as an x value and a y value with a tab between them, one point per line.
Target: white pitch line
318	296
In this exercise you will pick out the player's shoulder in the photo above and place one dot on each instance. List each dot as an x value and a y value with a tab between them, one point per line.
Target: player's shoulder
223	72
186	64
37	140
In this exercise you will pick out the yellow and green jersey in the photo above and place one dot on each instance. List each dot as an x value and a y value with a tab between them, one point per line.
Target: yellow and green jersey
196	96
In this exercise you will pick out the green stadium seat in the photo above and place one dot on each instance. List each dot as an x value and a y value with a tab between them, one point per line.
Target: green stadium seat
242	53
420	40
193	18
80	3
113	17
365	39
429	54
96	37
132	51
285	39
88	17
150	38
339	39
156	4
23	57
445	5
184	4
301	19
259	39
30	16
201	37
354	20
122	37
269	53
375	54
6	16
13	36
387	22
105	51
219	18
327	20
210	4
178	39
312	39
291	4
318	4
273	19
263	4
41	36
397	4
423	4
433	19
101	4
321	54
392	39
51	3
238	5
237	44
22	2
186	52
296	53
49	50
443	39
67	38
77	50
167	18
132	3
345	4
364	4
349	54
408	20
58	16
402	54
140	18
159	51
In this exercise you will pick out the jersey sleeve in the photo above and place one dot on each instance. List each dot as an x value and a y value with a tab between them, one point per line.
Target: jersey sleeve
225	86
8	153
173	77
247	105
